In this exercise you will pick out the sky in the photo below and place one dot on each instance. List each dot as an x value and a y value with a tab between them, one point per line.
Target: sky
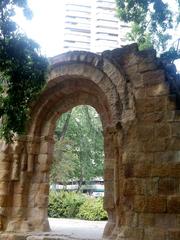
46	29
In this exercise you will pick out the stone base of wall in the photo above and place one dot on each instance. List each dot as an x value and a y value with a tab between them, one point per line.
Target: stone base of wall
35	236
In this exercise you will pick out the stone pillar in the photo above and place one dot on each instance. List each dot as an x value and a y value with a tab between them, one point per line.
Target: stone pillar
112	178
19	188
5	184
39	186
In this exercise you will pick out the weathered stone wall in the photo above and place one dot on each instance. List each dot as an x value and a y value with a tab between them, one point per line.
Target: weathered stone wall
131	92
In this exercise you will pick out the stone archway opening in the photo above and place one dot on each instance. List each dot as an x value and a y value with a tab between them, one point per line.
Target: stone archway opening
78	143
78	91
77	173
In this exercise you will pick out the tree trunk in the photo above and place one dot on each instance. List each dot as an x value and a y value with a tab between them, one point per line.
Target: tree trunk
61	134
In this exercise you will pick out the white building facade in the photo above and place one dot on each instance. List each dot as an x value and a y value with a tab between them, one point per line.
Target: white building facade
92	25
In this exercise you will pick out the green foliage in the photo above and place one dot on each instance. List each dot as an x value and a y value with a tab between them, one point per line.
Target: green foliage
64	204
170	55
92	209
75	205
22	70
63	166
79	150
150	19
138	35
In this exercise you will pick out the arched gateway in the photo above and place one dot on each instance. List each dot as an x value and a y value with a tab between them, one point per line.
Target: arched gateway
141	168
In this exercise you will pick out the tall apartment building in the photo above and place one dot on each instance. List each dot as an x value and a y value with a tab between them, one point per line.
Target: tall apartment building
92	25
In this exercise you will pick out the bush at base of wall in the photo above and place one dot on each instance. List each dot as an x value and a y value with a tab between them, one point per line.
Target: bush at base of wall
75	205
92	209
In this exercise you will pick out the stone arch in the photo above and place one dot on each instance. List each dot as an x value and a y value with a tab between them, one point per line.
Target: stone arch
72	83
75	78
132	92
87	67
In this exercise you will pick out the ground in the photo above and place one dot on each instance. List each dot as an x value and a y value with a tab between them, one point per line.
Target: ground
79	229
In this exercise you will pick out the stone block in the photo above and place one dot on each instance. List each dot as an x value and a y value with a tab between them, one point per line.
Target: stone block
173	204
4	188
146	220
152	186
3	200
144	66
140	93
44	188
145	105
109	174
140	170
150	204
165	220
155	145
21	188
4	157
134	186
19	212
153	77
109	186
4	165
160	103
44	162
133	145
131	233
13	236
20	200
127	202
174	234
178	220
171	104
168	186
145	132
129	218
152	117
155	233
160	89
46	148
4	175
41	200
166	170
109	201
174	143
162	130
160	170
166	157
175	126
137	157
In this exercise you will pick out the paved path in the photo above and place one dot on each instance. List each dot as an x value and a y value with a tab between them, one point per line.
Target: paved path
79	229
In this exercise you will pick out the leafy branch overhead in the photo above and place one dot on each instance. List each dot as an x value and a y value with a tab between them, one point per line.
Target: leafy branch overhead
22	70
150	19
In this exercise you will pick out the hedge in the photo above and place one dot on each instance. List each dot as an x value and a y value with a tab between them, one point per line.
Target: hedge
75	205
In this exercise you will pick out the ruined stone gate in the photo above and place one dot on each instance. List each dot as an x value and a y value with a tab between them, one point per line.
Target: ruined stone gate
141	126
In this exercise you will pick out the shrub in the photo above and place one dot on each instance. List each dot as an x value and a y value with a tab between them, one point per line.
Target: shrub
64	204
75	205
92	209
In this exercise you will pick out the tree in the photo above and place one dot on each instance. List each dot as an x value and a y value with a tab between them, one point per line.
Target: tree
22	70
63	166
150	19
79	153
